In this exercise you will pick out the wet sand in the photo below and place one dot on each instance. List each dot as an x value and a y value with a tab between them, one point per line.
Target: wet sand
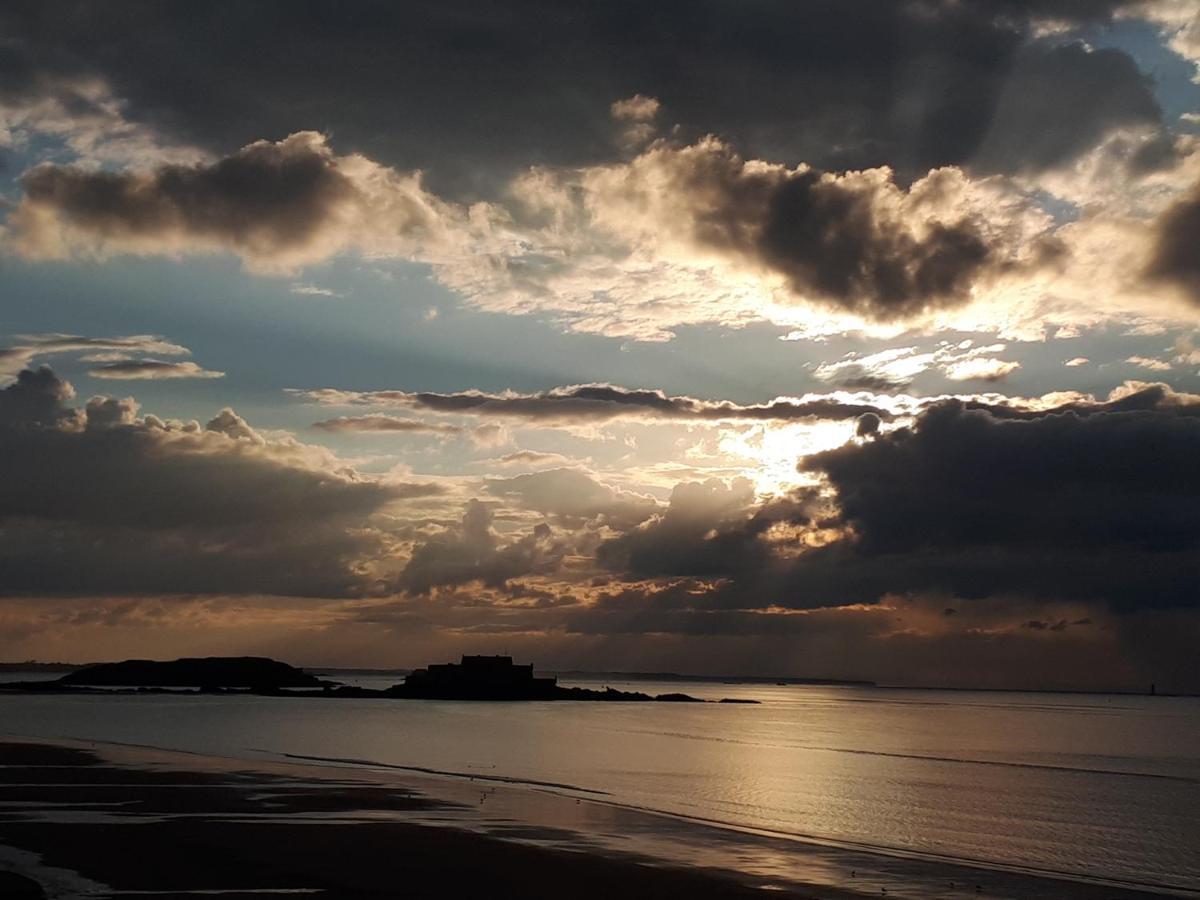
105	821
199	829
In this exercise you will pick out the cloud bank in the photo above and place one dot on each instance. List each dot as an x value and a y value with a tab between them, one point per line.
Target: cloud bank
108	501
678	235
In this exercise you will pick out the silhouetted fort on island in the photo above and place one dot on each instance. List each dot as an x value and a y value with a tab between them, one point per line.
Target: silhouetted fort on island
478	678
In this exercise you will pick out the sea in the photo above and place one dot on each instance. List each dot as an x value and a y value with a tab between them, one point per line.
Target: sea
1099	787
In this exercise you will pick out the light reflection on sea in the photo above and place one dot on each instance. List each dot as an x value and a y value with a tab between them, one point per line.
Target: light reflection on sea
1099	786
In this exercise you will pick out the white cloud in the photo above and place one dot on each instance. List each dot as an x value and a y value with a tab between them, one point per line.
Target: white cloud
962	361
636	115
981	369
28	347
151	370
311	290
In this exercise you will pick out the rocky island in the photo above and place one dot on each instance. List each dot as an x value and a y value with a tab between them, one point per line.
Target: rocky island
209	672
499	678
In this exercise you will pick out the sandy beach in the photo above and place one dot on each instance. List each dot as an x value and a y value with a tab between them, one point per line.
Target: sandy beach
108	820
195	828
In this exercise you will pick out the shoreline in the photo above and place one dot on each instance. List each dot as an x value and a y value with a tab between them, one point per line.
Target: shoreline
99	820
538	818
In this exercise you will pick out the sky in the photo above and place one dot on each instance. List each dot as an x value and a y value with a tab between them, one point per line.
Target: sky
829	339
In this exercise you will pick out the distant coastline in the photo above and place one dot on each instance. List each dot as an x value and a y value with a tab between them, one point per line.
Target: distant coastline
474	678
34	666
667	677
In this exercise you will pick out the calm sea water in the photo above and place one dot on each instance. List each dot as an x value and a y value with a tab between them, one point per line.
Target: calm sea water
1098	786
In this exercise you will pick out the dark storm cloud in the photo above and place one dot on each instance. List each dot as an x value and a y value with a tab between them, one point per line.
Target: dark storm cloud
476	89
1113	477
1102	505
591	403
838	239
19	73
1176	252
265	200
99	500
1060	102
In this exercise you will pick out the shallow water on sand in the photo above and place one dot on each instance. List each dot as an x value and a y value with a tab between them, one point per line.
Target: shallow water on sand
1091	785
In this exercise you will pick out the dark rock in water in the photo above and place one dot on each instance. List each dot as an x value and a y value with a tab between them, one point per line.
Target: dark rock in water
677	698
737	700
578	693
211	672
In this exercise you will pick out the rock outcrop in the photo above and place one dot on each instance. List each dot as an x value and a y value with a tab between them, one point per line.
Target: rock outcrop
255	672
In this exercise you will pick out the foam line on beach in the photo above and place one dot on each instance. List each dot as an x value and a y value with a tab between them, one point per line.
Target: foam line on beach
958	760
1082	770
1067	877
474	776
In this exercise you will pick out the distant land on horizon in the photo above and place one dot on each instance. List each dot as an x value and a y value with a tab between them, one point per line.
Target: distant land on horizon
34	665
479	678
596	675
600	675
